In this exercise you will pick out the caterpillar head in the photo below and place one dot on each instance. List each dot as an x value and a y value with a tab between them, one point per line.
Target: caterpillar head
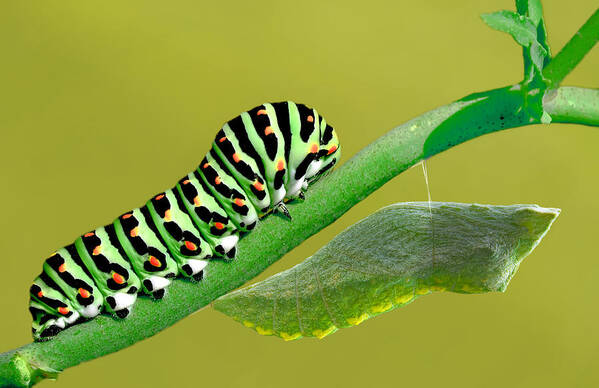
328	153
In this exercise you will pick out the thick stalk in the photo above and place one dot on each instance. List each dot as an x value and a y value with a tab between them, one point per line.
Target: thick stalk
573	105
396	151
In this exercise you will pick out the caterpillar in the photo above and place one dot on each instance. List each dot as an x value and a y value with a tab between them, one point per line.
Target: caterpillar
258	161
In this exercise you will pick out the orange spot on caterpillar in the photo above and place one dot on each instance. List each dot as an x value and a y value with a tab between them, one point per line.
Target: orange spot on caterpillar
268	130
217	180
159	197
154	261
119	279
222	139
280	165
239	202
40	294
310	119
236	158
167	215
332	149
196	201
62	267
261	112
97	250
63	310
84	293
88	234
206	165
134	232
259	186
219	225
186	181
191	246
125	216
314	148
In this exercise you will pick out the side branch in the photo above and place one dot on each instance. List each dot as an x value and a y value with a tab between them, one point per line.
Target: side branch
570	56
393	153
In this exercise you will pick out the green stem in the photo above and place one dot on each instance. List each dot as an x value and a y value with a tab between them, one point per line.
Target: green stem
573	52
573	105
396	151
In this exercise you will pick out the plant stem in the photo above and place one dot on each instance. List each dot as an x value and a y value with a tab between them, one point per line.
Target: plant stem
573	52
573	105
391	154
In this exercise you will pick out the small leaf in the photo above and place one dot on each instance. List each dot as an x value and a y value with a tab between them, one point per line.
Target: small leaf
520	27
527	27
389	259
531	8
538	55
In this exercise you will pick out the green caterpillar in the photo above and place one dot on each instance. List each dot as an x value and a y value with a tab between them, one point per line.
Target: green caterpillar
258	160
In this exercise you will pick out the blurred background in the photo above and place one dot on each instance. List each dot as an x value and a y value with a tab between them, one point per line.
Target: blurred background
103	104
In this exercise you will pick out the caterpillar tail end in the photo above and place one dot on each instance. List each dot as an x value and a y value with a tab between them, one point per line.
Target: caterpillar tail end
52	326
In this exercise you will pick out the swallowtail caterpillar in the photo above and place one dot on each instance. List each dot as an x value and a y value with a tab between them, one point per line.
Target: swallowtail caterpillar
258	160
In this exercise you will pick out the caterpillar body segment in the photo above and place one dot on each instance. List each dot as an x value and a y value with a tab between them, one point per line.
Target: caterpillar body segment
103	256
305	144
64	270
51	306
228	193
182	239
151	261
264	132
258	160
243	167
211	220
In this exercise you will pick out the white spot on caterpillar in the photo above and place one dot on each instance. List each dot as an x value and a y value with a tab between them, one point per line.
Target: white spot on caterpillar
90	311
294	189
74	316
229	242
279	195
314	168
123	300
158	282
196	265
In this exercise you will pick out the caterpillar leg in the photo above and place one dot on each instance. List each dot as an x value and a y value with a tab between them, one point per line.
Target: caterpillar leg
156	286
282	209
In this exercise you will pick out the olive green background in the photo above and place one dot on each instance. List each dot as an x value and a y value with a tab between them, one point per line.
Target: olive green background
102	104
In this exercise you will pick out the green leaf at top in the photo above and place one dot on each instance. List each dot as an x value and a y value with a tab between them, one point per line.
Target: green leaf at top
520	27
532	8
527	27
539	53
389	259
